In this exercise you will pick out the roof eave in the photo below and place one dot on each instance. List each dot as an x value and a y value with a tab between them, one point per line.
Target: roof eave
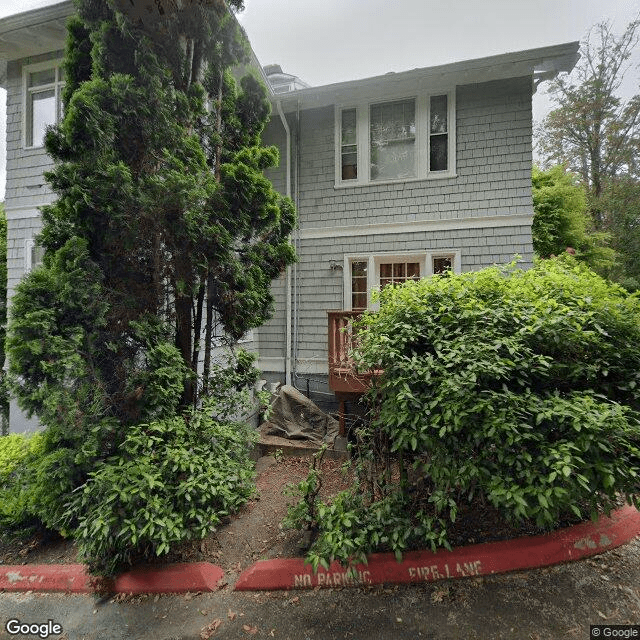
545	60
34	32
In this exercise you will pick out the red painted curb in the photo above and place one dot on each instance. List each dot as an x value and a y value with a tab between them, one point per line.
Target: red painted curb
70	578
73	578
175	578
528	552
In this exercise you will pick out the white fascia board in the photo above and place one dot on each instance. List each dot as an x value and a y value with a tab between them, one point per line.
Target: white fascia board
554	59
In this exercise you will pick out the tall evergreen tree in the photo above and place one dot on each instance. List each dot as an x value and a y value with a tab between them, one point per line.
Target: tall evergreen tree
164	222
593	131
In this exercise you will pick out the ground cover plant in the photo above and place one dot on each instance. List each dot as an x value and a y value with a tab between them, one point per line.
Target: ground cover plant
516	389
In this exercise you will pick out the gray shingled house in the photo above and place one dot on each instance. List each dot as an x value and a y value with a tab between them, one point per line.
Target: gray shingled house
394	177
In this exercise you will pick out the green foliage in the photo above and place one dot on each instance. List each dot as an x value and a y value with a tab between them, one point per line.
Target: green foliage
593	131
163	227
28	480
15	449
620	203
171	480
596	134
56	314
4	394
561	220
518	388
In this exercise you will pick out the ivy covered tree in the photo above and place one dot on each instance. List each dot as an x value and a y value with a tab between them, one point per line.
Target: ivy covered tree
163	216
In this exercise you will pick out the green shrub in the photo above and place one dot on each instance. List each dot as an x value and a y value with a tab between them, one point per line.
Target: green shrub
171	481
15	449
16	452
520	388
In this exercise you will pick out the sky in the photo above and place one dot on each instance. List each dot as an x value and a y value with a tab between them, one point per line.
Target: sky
326	41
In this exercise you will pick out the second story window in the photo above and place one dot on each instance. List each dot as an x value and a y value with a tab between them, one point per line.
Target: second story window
392	127
349	145
395	141
43	93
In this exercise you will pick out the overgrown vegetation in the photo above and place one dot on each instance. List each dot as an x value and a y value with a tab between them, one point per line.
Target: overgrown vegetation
164	233
171	480
519	389
561	220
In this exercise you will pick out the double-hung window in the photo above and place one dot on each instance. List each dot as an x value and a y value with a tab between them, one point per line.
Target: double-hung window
43	100
364	273
397	140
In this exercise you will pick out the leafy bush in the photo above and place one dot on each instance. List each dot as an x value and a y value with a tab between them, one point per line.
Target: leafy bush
516	388
16	450
172	480
39	472
561	219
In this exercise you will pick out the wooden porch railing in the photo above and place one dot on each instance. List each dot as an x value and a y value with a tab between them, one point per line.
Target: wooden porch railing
344	381
342	374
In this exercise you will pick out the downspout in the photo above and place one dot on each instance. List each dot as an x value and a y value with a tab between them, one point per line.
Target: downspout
287	360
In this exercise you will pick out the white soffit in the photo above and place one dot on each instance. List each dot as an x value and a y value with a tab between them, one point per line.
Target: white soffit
34	32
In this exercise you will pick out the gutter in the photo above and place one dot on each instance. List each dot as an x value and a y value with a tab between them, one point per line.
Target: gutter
288	321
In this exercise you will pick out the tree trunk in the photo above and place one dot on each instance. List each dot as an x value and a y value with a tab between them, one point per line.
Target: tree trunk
208	335
183	305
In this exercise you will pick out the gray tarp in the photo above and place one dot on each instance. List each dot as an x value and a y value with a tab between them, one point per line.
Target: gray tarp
296	417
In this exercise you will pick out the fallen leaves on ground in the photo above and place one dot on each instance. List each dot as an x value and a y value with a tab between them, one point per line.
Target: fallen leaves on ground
439	595
250	630
210	629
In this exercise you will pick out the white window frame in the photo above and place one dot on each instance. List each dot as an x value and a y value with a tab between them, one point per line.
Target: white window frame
57	86
29	245
374	260
423	106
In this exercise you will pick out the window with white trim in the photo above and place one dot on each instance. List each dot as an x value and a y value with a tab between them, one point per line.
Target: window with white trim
397	140
33	254
43	100
365	273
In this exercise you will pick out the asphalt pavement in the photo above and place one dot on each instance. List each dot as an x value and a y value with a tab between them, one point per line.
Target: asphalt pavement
558	602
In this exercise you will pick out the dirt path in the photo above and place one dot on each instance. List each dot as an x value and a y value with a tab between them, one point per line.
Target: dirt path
253	533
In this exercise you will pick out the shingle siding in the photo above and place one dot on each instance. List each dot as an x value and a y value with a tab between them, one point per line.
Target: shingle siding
18	232
493	165
25	183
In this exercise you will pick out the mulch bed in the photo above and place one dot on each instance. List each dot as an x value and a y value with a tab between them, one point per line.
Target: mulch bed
256	531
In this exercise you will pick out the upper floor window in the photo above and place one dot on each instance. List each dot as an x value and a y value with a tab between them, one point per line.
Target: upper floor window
43	100
398	140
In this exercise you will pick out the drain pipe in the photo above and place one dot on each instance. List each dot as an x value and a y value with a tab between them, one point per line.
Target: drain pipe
287	360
